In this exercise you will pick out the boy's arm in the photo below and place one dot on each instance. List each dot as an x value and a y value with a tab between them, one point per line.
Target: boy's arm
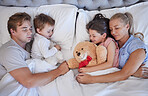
44	47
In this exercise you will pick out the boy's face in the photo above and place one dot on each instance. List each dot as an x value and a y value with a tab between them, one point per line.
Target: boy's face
23	33
47	31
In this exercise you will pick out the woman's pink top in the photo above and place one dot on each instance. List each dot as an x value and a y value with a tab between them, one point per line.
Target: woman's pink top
116	58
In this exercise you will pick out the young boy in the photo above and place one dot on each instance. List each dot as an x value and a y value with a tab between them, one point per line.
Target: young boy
41	48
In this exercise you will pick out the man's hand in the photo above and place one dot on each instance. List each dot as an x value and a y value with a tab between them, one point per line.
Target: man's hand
63	68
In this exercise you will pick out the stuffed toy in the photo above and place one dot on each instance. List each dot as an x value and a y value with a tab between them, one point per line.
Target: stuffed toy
56	58
87	54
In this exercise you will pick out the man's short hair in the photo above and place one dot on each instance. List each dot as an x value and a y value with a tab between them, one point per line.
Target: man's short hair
17	20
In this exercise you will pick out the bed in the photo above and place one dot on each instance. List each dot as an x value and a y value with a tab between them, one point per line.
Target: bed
71	17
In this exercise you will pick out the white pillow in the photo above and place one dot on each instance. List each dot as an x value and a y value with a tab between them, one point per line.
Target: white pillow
5	13
140	15
85	16
64	16
139	12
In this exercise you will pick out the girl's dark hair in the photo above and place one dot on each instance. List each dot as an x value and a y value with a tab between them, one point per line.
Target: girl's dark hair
100	24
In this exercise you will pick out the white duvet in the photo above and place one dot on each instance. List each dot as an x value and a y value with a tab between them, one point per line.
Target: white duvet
66	85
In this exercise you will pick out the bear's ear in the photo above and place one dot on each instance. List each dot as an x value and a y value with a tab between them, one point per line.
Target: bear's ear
73	63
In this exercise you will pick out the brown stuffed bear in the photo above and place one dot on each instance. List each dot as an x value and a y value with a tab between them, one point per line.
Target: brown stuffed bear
87	54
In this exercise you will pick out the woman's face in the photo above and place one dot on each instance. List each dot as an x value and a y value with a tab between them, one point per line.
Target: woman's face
95	37
118	29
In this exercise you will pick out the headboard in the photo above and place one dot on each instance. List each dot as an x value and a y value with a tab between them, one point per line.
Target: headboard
84	4
75	18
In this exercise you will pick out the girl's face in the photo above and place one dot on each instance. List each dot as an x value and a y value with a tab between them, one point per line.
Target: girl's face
96	37
47	31
118	29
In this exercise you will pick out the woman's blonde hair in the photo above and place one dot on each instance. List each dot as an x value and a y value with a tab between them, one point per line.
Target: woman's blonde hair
127	18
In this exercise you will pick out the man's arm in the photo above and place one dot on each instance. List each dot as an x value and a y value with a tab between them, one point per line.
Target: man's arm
29	80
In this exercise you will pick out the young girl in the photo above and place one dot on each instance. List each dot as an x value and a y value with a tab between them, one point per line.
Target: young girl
99	32
132	54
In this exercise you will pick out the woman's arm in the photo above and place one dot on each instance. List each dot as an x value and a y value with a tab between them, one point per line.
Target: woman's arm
134	62
142	72
108	64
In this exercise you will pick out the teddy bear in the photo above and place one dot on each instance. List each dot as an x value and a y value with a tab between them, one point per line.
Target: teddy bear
87	54
56	58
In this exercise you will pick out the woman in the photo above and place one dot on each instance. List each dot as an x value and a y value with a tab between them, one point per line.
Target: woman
132	53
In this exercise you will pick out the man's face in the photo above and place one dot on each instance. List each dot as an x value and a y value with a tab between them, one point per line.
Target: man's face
23	33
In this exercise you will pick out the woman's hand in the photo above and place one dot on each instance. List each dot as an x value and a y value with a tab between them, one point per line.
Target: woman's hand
84	78
142	72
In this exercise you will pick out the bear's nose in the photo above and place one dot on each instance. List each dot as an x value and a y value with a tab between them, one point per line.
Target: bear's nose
78	53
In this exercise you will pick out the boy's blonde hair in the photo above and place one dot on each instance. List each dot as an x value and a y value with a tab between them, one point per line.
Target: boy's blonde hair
42	19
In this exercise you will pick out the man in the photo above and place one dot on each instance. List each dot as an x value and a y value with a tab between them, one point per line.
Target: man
13	55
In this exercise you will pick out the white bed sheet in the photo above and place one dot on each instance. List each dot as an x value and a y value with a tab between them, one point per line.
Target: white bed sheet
66	85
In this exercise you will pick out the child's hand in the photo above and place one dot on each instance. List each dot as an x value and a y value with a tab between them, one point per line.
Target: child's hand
85	69
58	47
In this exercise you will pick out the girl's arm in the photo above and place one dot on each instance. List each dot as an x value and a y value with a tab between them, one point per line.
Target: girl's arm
108	64
134	62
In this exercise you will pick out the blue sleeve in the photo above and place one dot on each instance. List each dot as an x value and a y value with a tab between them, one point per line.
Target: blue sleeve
136	44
